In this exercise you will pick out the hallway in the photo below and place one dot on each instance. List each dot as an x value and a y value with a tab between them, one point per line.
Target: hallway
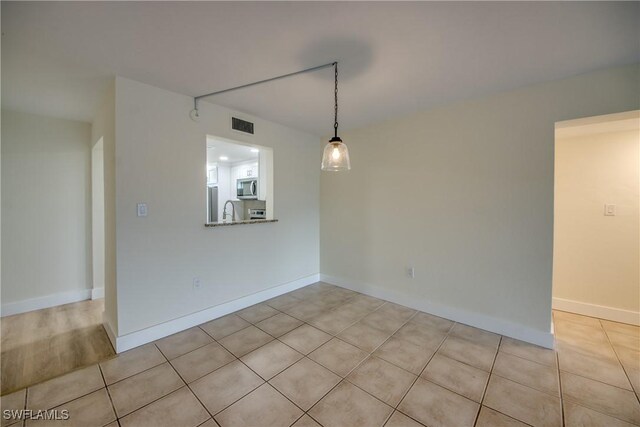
44	344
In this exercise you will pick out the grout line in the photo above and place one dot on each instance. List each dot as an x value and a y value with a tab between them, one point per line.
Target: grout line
372	355
475	367
562	416
487	384
422	370
620	362
358	365
164	395
544	365
75	398
474	343
344	342
596	356
530	360
199	347
273	387
297	419
264	381
152	402
380	345
137	373
594	380
75	369
109	394
486	387
347	299
206	421
26	396
221	338
145	370
555	368
258	321
193	393
204	375
555	396
586	405
254	389
279	372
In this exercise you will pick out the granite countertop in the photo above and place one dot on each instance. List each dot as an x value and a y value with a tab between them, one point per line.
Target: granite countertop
248	221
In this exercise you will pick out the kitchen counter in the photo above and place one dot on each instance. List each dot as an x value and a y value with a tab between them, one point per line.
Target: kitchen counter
248	221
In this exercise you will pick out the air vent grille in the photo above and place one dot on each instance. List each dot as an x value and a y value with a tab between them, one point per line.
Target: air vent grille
241	125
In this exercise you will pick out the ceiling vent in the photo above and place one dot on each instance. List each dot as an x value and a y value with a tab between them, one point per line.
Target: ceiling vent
241	125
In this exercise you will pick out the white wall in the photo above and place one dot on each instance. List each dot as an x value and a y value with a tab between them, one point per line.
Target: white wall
160	155
597	257
46	208
463	193
103	129
97	216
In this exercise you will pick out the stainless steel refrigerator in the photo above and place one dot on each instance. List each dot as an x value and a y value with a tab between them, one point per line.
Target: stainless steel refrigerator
212	204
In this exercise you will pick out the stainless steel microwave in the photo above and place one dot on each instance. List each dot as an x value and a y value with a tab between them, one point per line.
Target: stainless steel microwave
247	188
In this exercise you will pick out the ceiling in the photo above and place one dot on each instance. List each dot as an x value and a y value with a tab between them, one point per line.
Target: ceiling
395	58
234	153
609	123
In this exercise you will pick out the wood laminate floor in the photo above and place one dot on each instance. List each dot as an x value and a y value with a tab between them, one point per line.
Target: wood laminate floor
43	344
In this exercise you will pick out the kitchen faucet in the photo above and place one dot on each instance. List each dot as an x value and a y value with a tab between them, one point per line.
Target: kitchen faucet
224	211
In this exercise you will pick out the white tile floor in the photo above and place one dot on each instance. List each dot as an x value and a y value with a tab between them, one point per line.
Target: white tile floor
324	355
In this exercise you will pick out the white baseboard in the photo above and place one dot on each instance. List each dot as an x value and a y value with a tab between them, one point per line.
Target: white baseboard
47	301
499	326
97	293
599	311
138	338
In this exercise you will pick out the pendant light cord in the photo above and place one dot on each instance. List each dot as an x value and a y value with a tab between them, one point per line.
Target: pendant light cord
335	122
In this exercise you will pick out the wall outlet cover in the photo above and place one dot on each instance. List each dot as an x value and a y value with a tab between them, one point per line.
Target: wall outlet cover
142	209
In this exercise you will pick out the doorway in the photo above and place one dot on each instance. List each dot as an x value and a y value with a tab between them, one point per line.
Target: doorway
596	266
60	332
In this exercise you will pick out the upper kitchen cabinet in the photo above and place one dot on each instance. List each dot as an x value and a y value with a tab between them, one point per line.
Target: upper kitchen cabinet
248	169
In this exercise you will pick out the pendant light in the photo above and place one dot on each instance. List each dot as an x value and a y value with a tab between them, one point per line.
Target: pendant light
336	154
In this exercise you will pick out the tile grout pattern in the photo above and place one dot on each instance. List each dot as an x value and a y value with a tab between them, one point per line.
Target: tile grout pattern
294	359
484	391
559	386
423	368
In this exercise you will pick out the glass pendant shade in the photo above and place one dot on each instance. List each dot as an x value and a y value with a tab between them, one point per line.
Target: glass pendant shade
336	156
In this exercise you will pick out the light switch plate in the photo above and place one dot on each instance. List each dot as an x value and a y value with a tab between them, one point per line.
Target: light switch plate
610	210
411	272
142	209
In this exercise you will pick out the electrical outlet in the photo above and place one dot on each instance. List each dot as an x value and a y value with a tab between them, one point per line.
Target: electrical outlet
411	272
197	283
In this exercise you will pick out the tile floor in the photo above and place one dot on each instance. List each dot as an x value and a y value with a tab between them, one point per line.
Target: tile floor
324	355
